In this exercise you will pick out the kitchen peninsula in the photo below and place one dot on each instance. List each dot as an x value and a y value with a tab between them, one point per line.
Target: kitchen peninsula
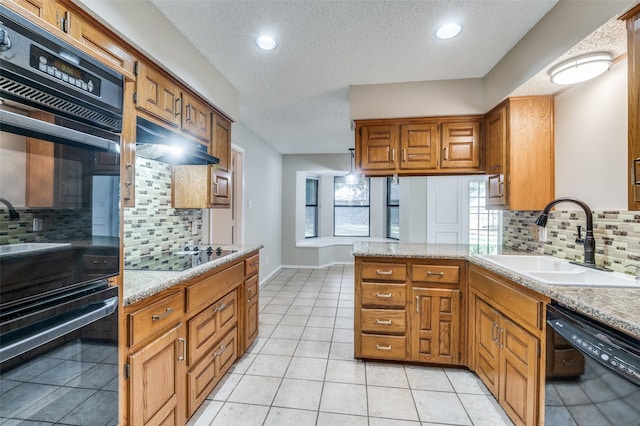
442	304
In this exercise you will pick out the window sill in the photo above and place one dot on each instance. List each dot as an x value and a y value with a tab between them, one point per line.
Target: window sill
339	241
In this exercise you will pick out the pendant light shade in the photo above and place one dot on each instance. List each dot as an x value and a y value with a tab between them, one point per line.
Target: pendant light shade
581	68
352	177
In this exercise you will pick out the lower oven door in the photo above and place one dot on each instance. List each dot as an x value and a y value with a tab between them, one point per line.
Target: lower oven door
66	371
590	375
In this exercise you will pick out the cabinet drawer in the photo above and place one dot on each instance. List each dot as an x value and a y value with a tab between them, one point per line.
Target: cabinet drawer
251	265
393	295
153	318
202	378
383	271
388	347
206	328
435	274
383	321
213	288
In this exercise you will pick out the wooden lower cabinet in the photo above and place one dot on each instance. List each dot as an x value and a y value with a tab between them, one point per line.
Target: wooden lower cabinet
156	380
436	326
410	310
506	350
183	340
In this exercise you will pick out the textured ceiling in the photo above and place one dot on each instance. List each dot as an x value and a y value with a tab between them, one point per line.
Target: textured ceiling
296	97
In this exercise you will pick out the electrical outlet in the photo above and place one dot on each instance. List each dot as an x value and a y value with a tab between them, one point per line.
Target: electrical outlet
37	224
535	233
194	228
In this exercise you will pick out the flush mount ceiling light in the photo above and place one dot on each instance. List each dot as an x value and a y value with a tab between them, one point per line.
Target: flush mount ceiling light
266	43
448	31
581	68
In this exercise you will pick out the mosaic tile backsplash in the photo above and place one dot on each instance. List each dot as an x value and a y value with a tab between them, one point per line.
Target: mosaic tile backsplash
617	235
153	226
57	225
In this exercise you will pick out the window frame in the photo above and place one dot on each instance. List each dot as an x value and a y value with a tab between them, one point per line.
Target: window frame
343	206
392	205
474	246
315	206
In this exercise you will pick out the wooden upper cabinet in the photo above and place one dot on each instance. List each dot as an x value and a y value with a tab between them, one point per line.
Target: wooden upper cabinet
377	147
35	7
520	154
221	141
158	95
461	145
196	117
419	146
633	59
105	47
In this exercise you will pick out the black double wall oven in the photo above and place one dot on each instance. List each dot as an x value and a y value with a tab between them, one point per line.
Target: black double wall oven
60	125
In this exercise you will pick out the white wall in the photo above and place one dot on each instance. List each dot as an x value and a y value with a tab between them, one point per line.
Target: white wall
591	141
262	197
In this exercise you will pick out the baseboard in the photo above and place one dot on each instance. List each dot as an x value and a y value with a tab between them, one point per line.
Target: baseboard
314	266
268	277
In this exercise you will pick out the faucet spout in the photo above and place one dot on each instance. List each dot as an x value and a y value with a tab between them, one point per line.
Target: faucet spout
589	241
13	214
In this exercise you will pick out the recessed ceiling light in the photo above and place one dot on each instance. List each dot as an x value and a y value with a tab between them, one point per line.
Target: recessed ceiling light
266	43
581	68
448	31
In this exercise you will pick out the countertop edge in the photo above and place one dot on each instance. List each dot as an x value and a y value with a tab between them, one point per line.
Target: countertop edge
164	280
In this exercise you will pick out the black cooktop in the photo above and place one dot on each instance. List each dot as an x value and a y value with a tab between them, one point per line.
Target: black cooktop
177	261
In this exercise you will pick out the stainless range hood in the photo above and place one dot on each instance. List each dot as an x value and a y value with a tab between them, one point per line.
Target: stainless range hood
158	143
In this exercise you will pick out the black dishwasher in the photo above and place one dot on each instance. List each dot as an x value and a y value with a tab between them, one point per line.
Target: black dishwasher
606	390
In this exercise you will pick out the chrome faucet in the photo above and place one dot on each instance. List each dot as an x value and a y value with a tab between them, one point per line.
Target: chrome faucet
589	241
13	214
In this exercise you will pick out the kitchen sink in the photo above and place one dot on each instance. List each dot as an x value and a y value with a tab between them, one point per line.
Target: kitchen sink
11	249
553	271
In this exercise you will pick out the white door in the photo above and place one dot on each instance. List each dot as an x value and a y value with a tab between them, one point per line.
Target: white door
447	210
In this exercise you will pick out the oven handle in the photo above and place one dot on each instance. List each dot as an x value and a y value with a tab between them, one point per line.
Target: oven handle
20	341
31	127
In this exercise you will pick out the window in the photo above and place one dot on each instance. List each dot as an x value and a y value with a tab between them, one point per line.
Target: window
350	208
393	209
311	209
484	225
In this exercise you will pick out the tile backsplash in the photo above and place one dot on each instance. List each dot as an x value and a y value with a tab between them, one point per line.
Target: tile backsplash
57	225
153	226
617	235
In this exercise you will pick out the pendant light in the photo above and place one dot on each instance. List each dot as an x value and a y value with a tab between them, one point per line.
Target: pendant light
352	177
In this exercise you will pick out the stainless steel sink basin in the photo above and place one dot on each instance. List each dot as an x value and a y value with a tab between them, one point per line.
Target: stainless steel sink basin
553	271
11	249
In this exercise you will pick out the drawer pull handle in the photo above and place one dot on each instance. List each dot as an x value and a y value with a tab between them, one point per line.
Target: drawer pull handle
384	295
435	274
220	352
183	341
568	362
383	322
156	317
494	331
501	338
379	272
383	348
417	304
220	307
256	263
95	262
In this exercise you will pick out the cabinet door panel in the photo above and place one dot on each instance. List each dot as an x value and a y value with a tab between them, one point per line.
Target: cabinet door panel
196	118
518	371
496	141
156	384
461	145
437	326
221	141
378	146
106	47
221	189
158	95
419	145
496	191
487	351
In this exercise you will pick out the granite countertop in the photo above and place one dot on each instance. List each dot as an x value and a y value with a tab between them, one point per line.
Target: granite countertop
139	285
616	307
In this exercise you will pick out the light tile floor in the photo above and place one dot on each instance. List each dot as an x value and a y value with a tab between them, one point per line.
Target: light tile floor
301	371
